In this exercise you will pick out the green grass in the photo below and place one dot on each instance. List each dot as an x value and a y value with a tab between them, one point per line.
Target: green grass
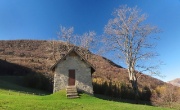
14	97
58	101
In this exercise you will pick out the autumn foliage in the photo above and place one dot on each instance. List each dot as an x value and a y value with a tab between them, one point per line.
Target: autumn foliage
167	95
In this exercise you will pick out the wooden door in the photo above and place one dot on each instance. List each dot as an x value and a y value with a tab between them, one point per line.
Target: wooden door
71	78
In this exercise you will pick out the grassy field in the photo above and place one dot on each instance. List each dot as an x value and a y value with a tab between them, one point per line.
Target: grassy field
12	99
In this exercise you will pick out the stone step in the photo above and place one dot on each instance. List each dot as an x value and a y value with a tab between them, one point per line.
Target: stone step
71	87
71	92
72	97
69	95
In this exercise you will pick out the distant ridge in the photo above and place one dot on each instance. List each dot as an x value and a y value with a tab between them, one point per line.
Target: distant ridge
175	82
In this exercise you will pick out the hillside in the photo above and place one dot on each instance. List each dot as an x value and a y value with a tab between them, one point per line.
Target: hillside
175	82
20	57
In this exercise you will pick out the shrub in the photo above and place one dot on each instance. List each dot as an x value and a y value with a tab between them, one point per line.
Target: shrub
166	95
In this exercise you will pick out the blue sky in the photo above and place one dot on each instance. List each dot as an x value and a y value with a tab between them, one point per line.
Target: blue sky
40	19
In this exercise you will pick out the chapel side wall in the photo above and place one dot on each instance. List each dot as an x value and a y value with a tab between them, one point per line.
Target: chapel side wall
84	80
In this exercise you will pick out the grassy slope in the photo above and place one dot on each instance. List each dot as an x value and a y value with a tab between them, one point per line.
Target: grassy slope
58	101
10	99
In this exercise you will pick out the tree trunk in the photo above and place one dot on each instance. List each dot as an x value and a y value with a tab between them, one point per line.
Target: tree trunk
135	89
133	80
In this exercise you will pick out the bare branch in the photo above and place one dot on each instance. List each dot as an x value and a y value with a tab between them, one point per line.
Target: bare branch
130	37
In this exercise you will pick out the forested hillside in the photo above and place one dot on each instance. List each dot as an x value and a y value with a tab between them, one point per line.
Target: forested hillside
22	57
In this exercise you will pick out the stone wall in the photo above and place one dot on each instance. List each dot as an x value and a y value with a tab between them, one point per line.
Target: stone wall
83	80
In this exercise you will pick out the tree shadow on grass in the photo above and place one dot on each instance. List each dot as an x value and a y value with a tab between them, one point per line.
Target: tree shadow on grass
131	101
121	93
19	78
22	89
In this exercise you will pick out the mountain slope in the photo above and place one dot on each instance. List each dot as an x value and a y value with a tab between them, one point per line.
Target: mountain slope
175	82
37	56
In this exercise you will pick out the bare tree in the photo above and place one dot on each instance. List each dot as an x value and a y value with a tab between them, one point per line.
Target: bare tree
69	40
130	37
87	43
87	39
67	35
